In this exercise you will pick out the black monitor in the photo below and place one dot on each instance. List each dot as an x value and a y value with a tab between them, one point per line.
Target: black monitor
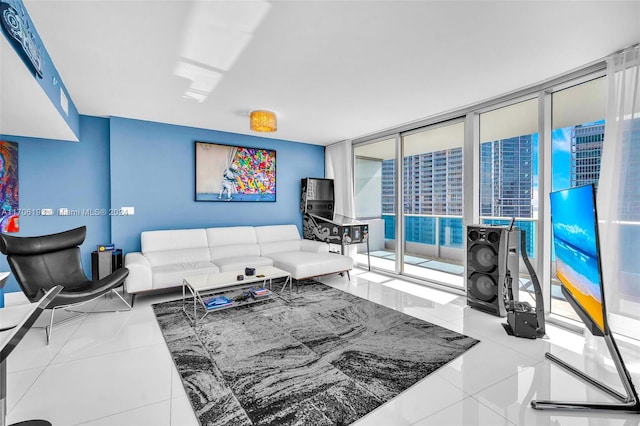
318	189
317	196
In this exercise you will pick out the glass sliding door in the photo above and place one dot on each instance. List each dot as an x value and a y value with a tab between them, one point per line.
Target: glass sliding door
578	124
433	244
509	174
376	201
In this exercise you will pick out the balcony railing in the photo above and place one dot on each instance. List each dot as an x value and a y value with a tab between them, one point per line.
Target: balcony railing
447	231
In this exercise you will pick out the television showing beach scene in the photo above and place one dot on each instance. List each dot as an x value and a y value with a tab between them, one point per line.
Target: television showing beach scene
575	235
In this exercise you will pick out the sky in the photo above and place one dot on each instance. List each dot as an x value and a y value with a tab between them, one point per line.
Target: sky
561	157
560	161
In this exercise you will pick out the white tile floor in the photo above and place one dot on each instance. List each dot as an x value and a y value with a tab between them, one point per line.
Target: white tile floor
114	369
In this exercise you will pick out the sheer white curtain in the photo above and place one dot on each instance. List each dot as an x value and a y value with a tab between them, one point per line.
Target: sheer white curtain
338	165
619	193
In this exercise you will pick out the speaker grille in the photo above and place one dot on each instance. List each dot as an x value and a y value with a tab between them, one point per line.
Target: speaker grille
483	258
493	236
483	287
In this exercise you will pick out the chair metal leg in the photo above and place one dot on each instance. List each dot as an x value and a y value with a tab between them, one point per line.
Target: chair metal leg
129	306
49	328
124	309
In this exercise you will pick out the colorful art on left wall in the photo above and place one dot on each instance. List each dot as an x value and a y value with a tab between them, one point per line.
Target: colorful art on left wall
9	187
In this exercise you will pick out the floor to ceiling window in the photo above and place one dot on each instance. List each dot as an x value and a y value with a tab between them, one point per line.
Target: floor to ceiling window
577	135
509	172
375	199
415	206
432	194
425	239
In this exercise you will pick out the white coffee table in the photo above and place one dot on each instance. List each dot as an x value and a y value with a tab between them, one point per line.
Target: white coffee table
202	285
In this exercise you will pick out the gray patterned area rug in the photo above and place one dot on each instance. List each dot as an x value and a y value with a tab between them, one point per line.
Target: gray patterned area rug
324	358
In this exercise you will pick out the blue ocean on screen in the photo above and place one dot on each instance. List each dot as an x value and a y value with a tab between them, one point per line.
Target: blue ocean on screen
579	267
575	237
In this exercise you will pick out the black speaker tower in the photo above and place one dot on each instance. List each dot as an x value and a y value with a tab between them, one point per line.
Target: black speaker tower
492	259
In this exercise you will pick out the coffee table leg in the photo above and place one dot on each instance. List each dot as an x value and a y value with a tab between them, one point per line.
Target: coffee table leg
287	281
184	303
195	317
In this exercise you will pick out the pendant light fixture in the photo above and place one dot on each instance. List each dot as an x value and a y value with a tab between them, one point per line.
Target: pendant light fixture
263	121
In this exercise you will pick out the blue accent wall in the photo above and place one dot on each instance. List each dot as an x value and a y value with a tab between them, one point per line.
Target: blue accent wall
153	170
56	174
150	166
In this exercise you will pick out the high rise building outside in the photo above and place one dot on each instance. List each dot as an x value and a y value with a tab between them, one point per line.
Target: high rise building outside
432	185
586	151
506	177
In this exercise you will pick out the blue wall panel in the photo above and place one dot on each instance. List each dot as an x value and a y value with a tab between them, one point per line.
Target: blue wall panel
59	174
153	170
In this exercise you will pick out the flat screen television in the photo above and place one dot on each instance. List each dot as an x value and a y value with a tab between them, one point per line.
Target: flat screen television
234	173
578	265
574	222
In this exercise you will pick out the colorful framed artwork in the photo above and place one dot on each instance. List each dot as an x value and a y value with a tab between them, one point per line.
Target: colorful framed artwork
234	173
9	187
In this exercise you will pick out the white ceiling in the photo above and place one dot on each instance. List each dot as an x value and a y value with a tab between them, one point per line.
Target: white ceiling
25	109
331	70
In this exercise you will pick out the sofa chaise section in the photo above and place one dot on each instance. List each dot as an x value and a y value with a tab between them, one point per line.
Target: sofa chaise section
301	258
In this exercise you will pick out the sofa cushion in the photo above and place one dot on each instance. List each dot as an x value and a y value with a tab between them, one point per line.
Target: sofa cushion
240	262
306	264
172	275
314	246
167	257
267	249
231	235
273	233
234	250
177	239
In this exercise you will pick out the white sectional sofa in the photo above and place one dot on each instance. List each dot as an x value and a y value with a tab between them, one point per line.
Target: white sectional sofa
168	256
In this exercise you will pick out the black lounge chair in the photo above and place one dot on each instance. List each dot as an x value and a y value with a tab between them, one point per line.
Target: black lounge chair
43	262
